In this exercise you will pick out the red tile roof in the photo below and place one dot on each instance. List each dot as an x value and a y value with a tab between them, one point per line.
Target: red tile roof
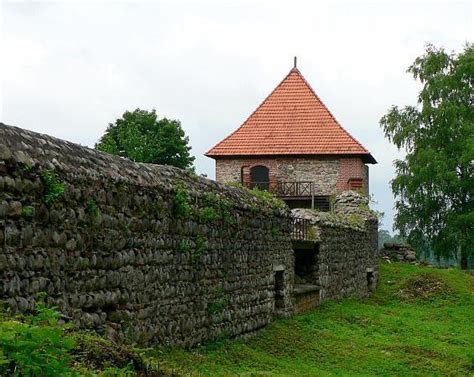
292	120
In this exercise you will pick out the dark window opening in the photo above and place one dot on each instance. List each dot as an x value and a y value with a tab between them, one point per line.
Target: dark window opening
279	289
260	177
306	268
370	280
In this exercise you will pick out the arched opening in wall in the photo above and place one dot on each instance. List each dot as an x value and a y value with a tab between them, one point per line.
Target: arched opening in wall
260	177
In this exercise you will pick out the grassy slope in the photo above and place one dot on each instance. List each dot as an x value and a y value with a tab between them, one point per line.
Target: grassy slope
383	335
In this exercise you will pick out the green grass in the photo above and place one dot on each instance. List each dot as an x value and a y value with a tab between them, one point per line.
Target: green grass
403	329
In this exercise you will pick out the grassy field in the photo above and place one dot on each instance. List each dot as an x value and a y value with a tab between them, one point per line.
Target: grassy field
419	322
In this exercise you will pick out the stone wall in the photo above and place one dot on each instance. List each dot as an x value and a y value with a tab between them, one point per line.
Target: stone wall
150	252
329	174
347	258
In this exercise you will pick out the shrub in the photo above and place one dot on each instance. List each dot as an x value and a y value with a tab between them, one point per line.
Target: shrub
35	345
208	214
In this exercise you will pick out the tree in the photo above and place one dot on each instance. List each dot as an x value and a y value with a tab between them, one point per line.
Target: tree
142	137
434	184
385	237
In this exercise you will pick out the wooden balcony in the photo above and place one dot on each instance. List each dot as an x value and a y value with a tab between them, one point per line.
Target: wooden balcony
286	189
296	192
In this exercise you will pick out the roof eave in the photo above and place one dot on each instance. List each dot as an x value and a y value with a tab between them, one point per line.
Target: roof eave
366	157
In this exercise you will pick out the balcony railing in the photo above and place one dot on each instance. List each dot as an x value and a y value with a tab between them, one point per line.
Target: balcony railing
285	189
300	229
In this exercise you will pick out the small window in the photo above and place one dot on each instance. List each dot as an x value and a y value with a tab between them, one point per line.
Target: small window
279	289
370	280
355	184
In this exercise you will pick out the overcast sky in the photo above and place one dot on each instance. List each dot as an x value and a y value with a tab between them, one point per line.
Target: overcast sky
68	68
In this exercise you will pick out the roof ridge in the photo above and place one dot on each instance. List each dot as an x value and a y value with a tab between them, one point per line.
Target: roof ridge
253	112
327	109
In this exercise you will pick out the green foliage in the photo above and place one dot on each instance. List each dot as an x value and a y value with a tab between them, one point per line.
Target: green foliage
27	212
200	248
276	232
385	335
142	137
385	237
355	220
221	301
434	184
218	208
268	198
35	345
184	246
92	208
53	187
93	352
181	206
208	214
26	168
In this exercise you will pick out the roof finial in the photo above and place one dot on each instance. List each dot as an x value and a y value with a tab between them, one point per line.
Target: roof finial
294	66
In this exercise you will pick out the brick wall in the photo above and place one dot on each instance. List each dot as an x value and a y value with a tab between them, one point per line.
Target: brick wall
350	168
329	174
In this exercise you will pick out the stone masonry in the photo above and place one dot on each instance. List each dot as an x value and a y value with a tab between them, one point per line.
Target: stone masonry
329	174
149	252
347	258
161	256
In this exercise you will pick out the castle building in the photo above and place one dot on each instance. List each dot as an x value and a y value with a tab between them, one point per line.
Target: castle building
292	146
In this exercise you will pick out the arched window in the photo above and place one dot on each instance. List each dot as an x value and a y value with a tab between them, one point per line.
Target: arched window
259	177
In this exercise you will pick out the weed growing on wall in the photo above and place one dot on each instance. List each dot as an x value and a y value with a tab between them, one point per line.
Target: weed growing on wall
219	206
27	212
276	232
221	301
26	168
355	220
93	209
53	187
208	214
266	197
183	246
181	206
200	248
